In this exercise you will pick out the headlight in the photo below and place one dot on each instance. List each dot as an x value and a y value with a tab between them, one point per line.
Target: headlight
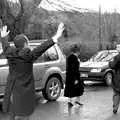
96	70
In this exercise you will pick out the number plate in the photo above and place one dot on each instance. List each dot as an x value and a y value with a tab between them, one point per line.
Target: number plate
84	75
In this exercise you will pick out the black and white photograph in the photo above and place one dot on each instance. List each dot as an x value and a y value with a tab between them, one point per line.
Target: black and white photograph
59	60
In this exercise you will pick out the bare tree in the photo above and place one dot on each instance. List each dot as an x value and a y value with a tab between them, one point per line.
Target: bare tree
15	14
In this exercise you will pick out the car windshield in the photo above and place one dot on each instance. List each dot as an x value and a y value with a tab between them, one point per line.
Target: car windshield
103	56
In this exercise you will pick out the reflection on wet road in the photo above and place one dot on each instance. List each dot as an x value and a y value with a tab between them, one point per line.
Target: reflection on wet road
97	101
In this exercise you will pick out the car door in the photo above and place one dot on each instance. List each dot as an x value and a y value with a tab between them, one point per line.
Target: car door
42	64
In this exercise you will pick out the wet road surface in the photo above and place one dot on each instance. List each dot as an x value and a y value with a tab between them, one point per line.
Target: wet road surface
97	101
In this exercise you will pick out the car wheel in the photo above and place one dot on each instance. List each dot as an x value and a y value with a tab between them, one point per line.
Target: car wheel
52	89
108	78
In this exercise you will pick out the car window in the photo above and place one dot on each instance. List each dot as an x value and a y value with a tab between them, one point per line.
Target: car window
50	55
103	56
98	56
110	56
2	56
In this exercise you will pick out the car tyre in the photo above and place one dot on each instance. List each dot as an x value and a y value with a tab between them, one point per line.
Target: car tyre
108	78
52	89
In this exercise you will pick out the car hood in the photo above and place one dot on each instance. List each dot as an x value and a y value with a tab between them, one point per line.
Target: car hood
94	64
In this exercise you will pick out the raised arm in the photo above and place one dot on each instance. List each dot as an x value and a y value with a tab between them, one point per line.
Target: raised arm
38	51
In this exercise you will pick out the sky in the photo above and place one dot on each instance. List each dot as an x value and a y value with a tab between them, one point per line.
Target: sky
106	5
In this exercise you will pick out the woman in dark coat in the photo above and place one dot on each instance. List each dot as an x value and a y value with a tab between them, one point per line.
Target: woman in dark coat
73	85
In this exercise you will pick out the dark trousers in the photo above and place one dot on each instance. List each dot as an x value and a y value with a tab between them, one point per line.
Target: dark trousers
14	117
116	100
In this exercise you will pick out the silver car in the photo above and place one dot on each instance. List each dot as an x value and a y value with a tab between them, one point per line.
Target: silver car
49	71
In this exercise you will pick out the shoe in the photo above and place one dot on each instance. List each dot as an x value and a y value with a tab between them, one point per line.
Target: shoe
78	103
70	104
115	111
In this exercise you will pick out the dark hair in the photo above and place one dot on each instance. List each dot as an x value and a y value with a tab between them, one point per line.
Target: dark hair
20	40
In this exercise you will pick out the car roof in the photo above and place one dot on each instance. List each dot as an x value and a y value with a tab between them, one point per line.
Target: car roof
108	51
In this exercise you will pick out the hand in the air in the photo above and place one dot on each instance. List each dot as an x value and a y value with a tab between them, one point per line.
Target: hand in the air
4	32
59	32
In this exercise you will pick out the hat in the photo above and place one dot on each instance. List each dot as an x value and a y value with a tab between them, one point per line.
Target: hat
19	40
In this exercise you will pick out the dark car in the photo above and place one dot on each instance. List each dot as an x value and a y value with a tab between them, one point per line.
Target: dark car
97	69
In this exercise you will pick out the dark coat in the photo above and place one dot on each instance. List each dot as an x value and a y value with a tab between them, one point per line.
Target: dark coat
20	82
115	65
73	74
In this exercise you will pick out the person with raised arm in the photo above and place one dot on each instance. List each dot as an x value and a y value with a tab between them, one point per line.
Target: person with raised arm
19	96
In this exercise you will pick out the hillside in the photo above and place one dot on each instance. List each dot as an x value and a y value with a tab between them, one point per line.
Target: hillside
82	25
82	28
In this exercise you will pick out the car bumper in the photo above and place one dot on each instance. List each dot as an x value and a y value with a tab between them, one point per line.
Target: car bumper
92	76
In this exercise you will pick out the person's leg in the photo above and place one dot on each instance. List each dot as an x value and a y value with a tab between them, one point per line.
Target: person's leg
12	116
15	117
22	118
77	100
70	102
116	101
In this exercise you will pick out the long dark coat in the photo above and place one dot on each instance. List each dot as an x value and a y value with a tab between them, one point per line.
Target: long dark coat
115	65
73	74
20	82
